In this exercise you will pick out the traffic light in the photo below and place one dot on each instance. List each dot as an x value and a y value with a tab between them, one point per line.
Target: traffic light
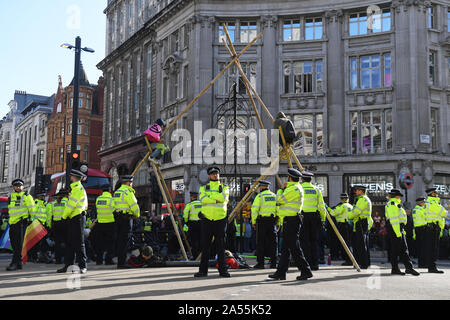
246	188
75	160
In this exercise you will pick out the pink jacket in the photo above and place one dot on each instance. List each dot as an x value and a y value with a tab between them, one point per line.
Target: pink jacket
153	133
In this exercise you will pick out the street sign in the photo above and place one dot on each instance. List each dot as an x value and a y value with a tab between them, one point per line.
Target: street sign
406	180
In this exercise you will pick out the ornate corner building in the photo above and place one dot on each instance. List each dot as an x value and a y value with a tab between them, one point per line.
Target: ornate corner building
366	84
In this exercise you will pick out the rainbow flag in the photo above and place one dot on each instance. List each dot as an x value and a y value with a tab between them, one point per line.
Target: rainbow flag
5	242
34	233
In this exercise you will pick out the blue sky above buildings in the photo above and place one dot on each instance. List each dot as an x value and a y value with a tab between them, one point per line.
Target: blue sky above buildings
31	34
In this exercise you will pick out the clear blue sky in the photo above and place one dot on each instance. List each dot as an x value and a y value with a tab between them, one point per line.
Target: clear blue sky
31	33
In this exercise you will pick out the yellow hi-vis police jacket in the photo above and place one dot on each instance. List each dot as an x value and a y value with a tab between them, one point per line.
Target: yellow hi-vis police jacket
362	210
77	202
395	214
264	205
21	206
289	201
214	198
435	212
341	212
419	216
125	201
40	212
313	200
105	208
191	211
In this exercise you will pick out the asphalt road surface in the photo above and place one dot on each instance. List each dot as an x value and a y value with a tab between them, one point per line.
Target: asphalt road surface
335	282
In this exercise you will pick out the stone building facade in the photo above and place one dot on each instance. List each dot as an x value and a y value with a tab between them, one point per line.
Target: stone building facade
366	83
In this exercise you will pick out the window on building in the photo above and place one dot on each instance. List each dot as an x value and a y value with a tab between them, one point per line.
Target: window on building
431	16
448	20
291	30
231	27
86	127
149	77
69	126
40	158
313	28
434	128
358	24
380	21
371	131
61	155
232	76
302	77
248	31
35	133
310	131
185	81
432	68
59	107
367	72
5	162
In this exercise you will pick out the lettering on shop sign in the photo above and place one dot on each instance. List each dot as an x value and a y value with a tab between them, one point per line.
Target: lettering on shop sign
377	186
442	189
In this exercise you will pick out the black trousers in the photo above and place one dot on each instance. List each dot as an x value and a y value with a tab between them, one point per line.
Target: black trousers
266	239
104	240
290	246
309	235
16	235
60	237
420	245
432	234
210	229
124	224
343	230
361	248
194	237
75	242
399	249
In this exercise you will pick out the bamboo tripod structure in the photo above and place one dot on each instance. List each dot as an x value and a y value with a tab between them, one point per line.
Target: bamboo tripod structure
286	150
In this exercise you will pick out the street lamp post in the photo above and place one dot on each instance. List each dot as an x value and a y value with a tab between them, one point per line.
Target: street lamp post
76	97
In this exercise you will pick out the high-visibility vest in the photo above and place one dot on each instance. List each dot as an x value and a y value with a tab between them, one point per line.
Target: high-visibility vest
105	208
265	205
419	216
313	200
185	228
125	201
192	210
214	198
88	223
77	202
238	229
289	201
394	212
21	206
434	212
148	226
40	212
341	212
362	210
58	209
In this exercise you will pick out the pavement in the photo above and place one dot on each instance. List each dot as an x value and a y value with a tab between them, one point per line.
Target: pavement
334	282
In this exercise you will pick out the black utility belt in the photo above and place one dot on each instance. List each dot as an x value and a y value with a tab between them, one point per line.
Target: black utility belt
313	212
266	217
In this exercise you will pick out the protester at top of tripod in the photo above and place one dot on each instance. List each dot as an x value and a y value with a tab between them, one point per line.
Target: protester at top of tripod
154	132
287	126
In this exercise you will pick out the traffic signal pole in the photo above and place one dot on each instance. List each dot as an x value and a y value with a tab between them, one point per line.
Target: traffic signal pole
76	96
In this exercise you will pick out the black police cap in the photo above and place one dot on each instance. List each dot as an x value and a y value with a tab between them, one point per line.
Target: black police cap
421	199
18	182
307	174
294	173
106	187
431	190
395	192
127	178
193	193
213	170
264	183
359	187
344	195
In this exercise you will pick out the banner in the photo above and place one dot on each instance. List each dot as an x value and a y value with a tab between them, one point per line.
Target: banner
5	242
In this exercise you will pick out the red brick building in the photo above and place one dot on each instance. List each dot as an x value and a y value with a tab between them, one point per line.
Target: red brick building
90	124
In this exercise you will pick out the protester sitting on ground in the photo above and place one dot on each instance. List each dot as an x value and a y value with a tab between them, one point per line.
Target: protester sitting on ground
142	259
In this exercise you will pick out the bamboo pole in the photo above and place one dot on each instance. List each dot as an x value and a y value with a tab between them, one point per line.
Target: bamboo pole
166	190
170	212
285	147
